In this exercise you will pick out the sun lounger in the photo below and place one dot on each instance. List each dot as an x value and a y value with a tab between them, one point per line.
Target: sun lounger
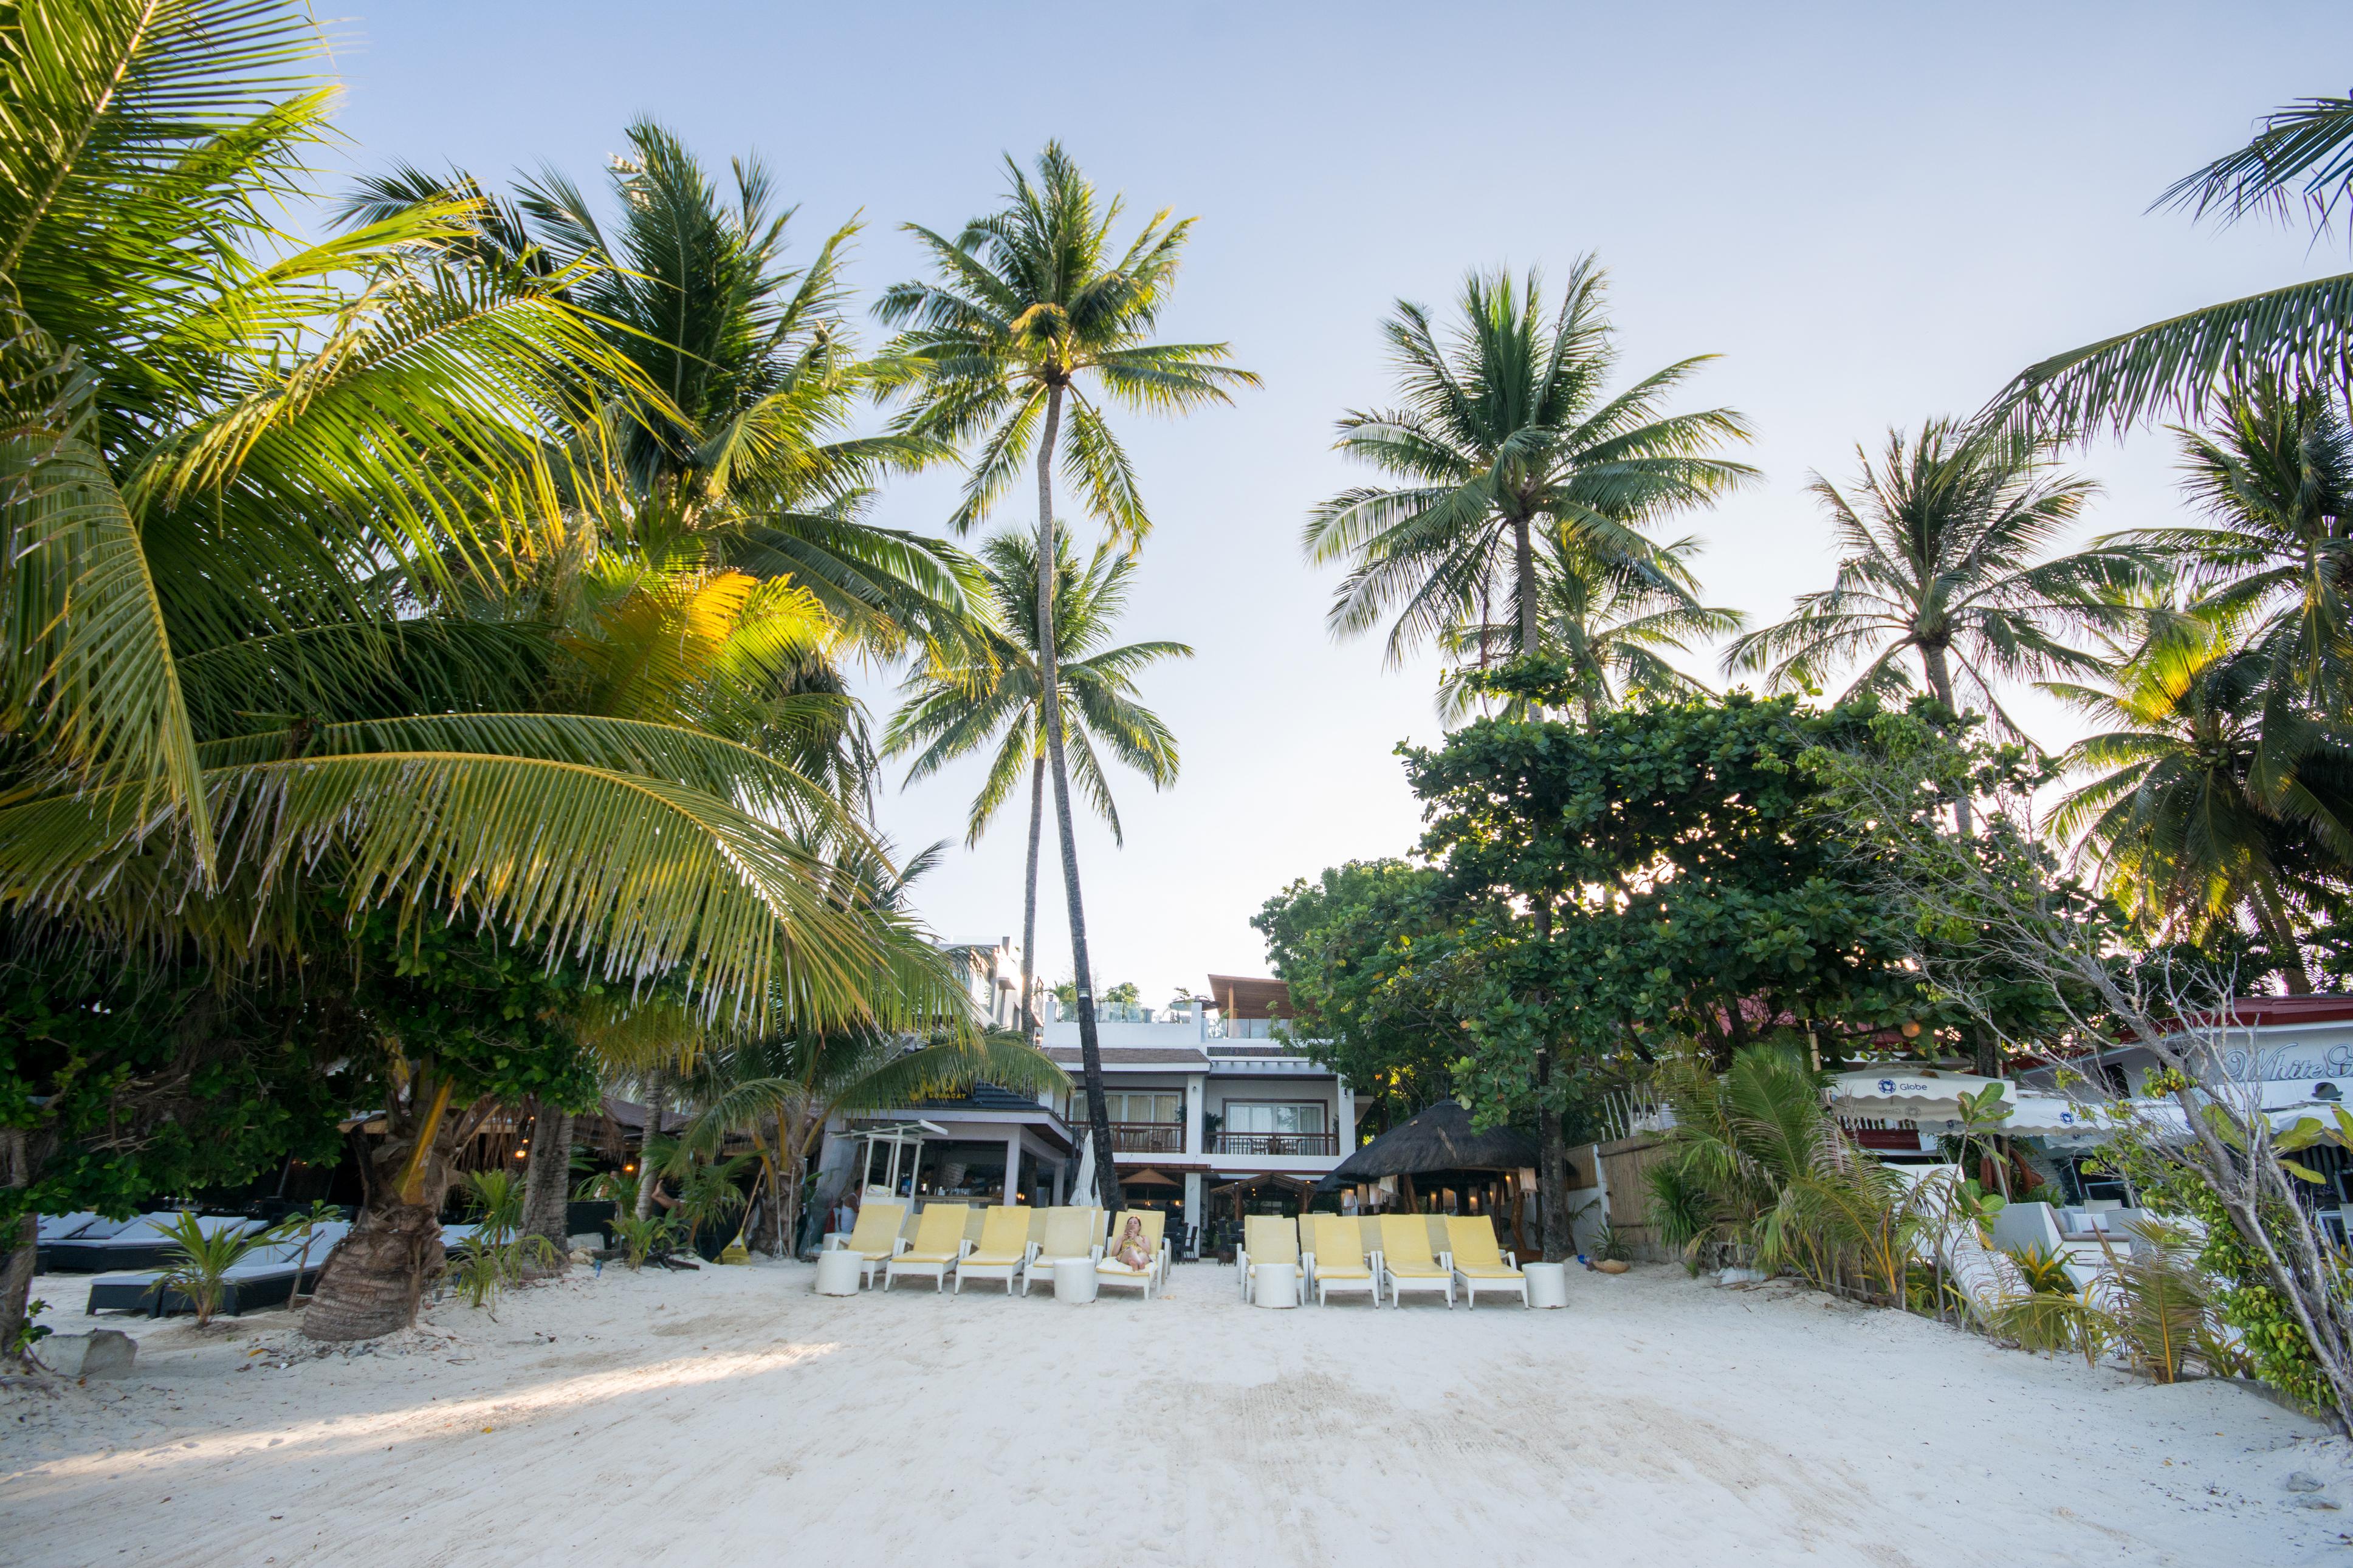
1406	1261
1265	1241
1110	1270
1070	1233
61	1226
875	1237
139	1244
939	1244
1479	1261
1003	1247
268	1276
1338	1258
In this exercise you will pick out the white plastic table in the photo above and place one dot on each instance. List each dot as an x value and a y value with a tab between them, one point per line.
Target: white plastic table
1275	1285
837	1272
1547	1284
1075	1279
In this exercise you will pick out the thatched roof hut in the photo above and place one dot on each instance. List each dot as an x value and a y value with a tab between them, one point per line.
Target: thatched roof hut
1438	1138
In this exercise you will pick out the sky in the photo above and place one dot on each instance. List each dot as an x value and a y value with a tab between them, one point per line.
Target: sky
1873	213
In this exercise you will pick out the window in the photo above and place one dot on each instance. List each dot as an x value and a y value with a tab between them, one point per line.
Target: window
1255	1116
1160	1106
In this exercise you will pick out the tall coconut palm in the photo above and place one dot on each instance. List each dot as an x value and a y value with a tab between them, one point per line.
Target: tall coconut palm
1507	451
1938	563
2303	333
1034	315
216	441
954	710
746	460
2178	821
1611	623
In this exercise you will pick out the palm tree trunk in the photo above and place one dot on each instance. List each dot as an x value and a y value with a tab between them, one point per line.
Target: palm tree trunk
1029	899
1552	1145
17	1158
657	1090
547	1177
372	1283
1050	697
1523	562
2280	932
1940	686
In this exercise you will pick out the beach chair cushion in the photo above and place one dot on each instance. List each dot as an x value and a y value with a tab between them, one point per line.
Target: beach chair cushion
1004	1238
876	1230
63	1227
939	1236
1405	1247
1339	1249
1070	1233
1473	1242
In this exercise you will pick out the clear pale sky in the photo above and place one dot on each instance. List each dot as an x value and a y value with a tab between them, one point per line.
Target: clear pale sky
1872	212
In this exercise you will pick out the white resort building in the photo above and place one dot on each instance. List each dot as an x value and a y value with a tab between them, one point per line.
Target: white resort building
1209	1101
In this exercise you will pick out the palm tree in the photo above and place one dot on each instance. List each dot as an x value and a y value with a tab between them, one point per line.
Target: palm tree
2301	334
955	709
1034	315
1507	451
1938	563
1609	622
2178	822
229	472
744	459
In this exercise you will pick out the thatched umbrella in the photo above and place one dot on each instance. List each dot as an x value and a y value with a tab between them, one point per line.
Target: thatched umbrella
1438	1138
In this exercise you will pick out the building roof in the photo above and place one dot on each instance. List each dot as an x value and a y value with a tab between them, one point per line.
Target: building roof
1249	997
1438	1138
1136	1056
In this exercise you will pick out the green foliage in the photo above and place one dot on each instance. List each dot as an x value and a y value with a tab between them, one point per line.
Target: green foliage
200	1263
1610	1245
2041	1270
640	1238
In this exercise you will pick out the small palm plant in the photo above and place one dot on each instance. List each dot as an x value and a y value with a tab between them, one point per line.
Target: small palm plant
303	1225
498	1254
707	1192
200	1266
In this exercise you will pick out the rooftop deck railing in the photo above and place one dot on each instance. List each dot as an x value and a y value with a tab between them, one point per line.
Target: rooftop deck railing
1147	1137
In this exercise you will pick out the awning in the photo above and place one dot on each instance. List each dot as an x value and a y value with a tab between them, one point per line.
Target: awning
1899	1085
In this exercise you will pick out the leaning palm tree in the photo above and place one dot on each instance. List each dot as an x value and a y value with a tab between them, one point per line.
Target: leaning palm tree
2178	821
1035	315
2301	333
992	698
1938	563
1506	450
1610	623
230	470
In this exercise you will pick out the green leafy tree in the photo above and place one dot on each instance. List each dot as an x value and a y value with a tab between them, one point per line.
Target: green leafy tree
1034	316
990	696
1505	449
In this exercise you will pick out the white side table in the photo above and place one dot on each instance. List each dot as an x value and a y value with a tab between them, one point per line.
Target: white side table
837	1272
1075	1279
1547	1284
1275	1285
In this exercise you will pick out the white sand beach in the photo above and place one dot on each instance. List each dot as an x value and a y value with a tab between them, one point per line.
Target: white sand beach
733	1415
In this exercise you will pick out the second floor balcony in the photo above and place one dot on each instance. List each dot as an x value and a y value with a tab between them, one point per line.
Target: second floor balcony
1168	1138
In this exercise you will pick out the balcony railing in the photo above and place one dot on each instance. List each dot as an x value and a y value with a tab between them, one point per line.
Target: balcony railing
1147	1137
1277	1143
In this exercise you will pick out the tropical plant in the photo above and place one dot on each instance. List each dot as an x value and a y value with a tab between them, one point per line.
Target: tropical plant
2164	1309
1609	622
2180	818
707	1191
2301	334
234	469
991	696
1938	563
644	1235
200	1260
1510	460
1033	315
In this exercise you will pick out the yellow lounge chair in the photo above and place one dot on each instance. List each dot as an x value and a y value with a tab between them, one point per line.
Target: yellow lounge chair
1406	1262
1002	1249
1477	1261
939	1244
1070	1233
1110	1270
1265	1240
874	1237
1339	1258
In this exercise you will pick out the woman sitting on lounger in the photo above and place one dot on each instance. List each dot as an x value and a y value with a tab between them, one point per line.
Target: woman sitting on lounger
1131	1251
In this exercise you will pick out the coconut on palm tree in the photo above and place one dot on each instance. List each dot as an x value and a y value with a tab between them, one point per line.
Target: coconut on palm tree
2179	821
990	698
1034	316
1940	566
1506	453
1611	624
